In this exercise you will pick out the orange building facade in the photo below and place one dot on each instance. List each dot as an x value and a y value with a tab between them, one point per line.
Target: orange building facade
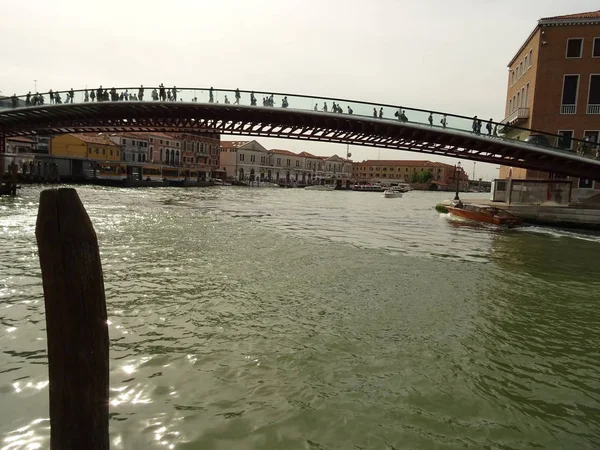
554	87
410	171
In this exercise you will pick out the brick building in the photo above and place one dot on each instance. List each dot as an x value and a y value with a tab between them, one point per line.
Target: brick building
554	87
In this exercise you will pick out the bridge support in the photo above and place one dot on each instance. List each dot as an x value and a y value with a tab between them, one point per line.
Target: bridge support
76	322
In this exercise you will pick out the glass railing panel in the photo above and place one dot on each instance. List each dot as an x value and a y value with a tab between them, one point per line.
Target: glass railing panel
392	113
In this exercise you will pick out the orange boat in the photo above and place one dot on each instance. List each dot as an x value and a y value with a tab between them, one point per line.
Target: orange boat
486	214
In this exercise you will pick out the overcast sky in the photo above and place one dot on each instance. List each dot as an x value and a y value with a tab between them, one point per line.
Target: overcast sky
431	54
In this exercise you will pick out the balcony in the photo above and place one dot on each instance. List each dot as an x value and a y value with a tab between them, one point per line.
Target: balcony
593	109
518	115
568	109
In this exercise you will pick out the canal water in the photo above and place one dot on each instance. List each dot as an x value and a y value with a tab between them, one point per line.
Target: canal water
289	319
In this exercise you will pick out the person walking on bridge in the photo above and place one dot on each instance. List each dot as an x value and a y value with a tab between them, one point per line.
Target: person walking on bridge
211	96
174	92
324	107
162	92
474	125
444	121
154	95
316	107
430	119
99	93
489	126
141	93
14	101
237	96
86	96
92	95
28	99
350	111
252	99
70	96
51	95
381	113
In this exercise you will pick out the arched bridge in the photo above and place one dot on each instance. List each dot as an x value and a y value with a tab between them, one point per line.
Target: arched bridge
252	113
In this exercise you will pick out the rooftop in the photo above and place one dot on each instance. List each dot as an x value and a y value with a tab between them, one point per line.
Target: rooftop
233	144
308	155
577	16
583	18
88	138
283	152
21	139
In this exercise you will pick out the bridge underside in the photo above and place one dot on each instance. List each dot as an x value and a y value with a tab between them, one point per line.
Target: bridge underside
293	124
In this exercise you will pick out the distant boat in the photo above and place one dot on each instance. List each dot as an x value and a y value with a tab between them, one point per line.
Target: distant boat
320	187
368	187
484	213
219	182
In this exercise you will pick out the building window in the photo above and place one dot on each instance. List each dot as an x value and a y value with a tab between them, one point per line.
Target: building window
124	141
110	152
569	94
584	183
297	163
288	162
574	47
596	48
278	161
161	141
241	156
565	141
594	95
526	93
530	57
89	149
152	140
104	151
252	158
118	152
97	151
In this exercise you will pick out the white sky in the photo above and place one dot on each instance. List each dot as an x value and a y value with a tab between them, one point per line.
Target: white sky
445	55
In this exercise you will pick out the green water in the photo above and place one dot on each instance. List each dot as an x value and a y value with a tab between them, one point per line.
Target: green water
291	319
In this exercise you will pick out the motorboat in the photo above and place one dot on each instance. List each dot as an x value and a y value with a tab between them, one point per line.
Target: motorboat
320	187
393	192
484	213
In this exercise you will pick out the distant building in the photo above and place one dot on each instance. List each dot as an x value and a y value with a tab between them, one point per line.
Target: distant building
444	176
82	145
20	144
200	151
287	166
245	160
554	87
134	146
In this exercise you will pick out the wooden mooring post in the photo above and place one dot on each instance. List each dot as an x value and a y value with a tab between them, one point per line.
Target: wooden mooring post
76	322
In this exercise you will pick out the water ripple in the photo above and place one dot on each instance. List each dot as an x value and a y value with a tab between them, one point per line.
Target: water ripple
266	318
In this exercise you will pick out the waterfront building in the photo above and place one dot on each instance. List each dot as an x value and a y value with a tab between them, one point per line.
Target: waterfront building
443	176
165	149
245	161
288	167
200	151
85	145
313	166
19	144
134	146
336	167
554	87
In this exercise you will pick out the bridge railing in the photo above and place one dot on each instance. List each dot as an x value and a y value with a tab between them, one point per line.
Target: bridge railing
385	112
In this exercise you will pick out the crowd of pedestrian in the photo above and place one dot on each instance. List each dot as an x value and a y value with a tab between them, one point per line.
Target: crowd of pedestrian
164	94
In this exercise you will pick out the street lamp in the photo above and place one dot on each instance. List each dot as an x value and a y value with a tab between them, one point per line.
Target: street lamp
457	180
